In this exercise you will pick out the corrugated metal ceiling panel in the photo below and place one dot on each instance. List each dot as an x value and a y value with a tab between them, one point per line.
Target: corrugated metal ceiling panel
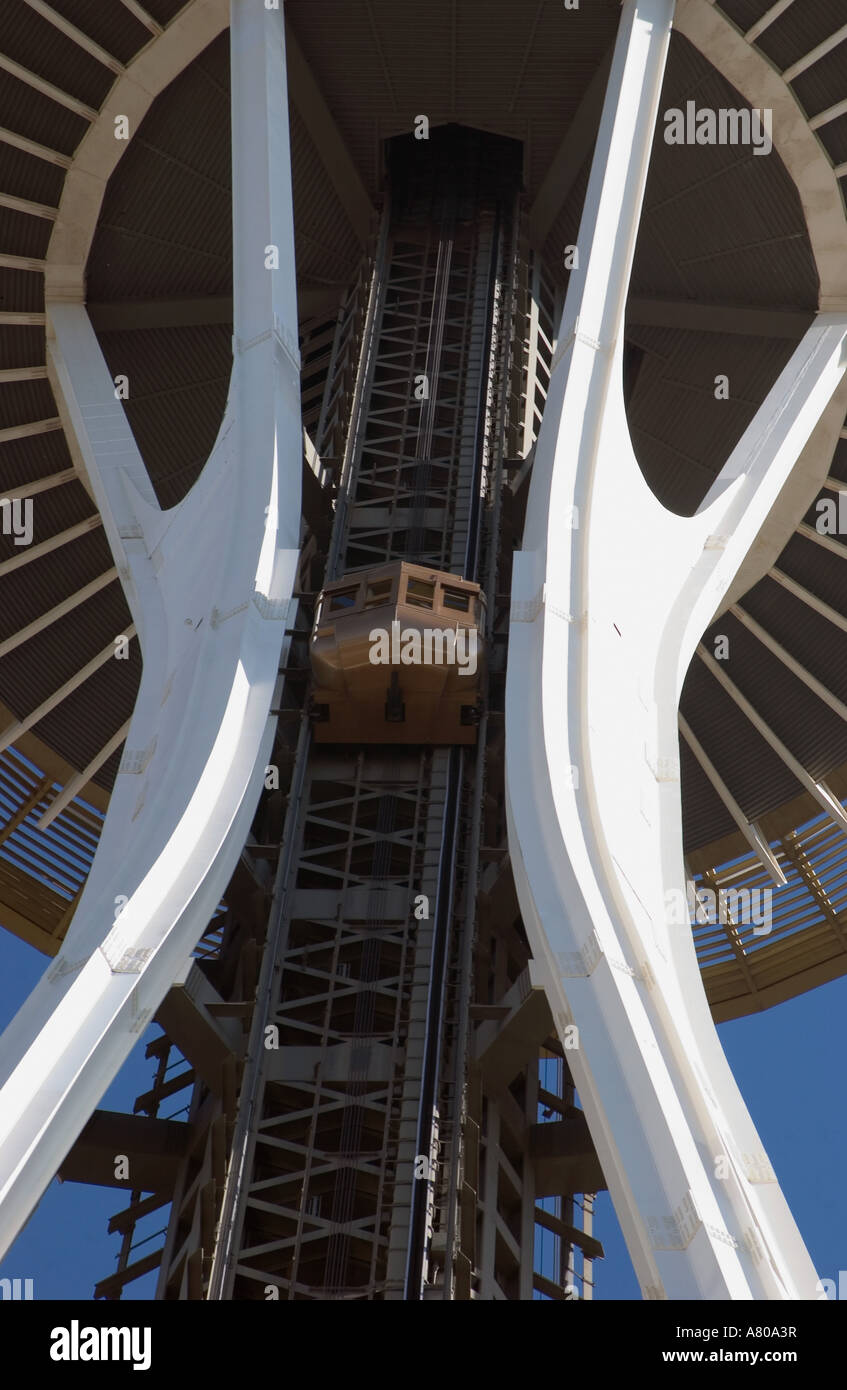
809	637
30	113
813	732
21	402
114	27
799	29
90	716
21	347
516	71
174	175
683	434
744	760
26	176
704	816
744	13
178	383
41	48
23	235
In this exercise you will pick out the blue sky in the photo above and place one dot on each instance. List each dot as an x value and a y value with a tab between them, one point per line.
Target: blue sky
788	1061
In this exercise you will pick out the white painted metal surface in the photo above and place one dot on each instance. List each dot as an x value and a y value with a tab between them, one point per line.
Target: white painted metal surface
209	585
605	619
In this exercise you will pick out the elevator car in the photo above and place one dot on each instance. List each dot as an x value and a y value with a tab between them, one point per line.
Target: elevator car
397	657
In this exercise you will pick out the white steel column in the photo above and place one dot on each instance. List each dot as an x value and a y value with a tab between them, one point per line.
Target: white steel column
605	619
209	584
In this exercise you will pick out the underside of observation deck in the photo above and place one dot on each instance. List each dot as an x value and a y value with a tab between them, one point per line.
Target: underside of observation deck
399	1140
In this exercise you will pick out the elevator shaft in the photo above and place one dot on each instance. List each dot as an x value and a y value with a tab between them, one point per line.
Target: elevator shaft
364	1157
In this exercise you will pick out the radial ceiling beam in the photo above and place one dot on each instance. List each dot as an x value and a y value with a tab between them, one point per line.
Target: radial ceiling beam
826	542
569	158
791	663
751	832
830	114
691	315
21	263
75	35
815	54
35	552
811	600
142	16
11	319
23	726
819	790
29	428
29	208
9	374
22	490
53	615
767	19
20	142
328	141
47	89
81	780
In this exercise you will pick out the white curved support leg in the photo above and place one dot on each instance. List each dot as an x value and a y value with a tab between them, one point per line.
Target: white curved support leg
209	585
605	620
